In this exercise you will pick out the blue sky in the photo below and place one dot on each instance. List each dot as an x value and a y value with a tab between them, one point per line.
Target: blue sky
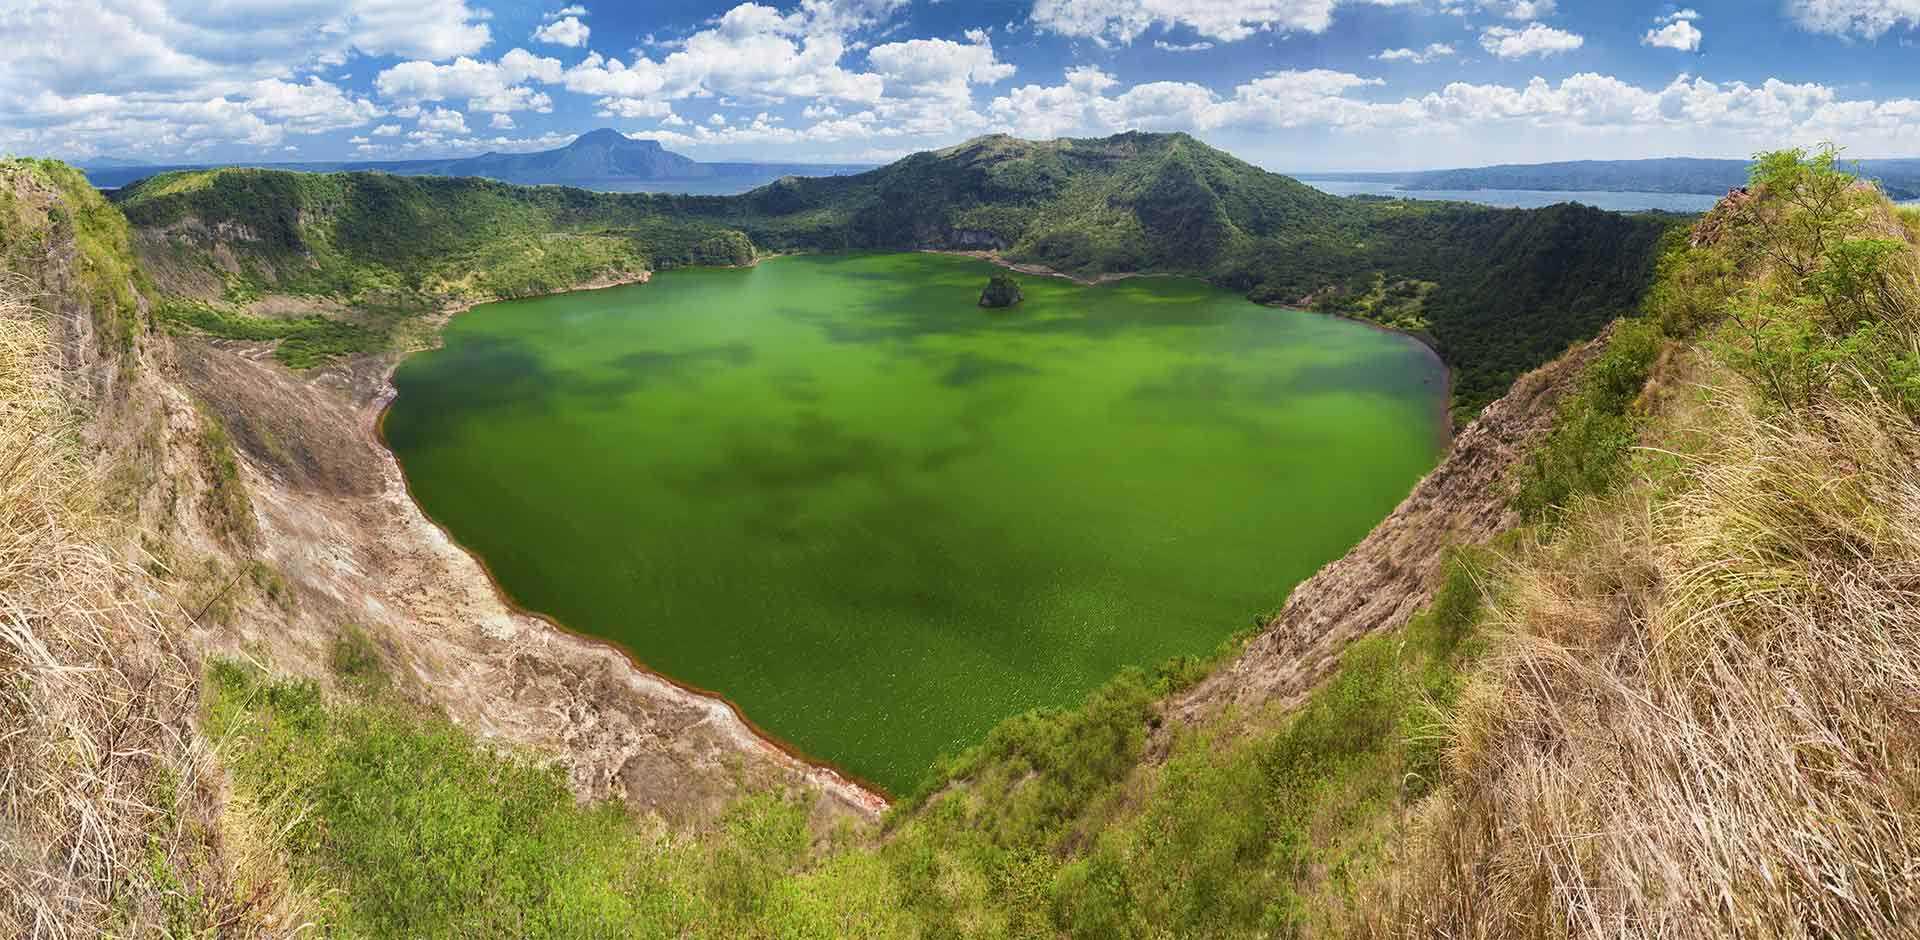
1290	84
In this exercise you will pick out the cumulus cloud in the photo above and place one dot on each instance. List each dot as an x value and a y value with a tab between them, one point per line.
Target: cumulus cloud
1675	31
939	68
1277	100
496	86
442	121
1523	10
1537	39
633	108
565	31
1432	53
752	52
1867	18
177	76
1123	21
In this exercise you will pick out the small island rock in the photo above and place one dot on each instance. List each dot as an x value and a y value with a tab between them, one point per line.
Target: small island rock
1002	291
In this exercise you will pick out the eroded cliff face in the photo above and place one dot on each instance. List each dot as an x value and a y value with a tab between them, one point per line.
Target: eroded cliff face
1395	570
337	523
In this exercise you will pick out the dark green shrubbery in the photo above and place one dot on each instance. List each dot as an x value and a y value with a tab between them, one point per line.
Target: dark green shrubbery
302	342
1837	307
1596	428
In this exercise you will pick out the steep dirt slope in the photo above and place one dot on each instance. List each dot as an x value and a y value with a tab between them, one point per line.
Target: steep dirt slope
336	521
1393	572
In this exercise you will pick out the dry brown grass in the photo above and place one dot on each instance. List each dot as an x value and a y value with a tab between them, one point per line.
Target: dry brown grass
1702	714
100	770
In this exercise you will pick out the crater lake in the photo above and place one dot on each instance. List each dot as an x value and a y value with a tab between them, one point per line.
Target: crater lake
880	519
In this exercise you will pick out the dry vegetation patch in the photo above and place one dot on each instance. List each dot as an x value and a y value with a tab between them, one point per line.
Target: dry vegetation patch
103	796
1699	715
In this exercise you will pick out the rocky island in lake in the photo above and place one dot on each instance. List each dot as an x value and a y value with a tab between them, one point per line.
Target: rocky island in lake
1001	291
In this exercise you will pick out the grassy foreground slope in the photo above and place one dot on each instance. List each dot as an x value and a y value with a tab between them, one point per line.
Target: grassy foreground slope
1498	291
1678	701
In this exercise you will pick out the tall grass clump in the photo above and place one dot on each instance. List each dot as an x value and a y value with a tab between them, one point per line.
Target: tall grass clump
1699	712
98	761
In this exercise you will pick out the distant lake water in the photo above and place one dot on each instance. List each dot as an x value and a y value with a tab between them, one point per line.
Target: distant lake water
1526	198
881	519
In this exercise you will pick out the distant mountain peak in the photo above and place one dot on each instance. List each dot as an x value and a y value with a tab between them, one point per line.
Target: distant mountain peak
610	138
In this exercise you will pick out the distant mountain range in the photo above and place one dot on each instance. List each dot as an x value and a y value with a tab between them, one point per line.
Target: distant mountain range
1900	179
604	160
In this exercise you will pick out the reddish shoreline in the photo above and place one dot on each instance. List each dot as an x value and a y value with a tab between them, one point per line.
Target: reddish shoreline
876	798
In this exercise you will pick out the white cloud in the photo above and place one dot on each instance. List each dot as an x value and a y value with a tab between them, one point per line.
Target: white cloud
1523	10
1676	31
1166	46
1536	39
1433	52
938	68
751	52
633	108
501	122
566	31
312	108
1225	20
1868	18
442	121
387	130
488	86
178	76
1278	100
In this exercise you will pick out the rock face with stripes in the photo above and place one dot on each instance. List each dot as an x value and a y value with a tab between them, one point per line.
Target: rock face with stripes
1395	570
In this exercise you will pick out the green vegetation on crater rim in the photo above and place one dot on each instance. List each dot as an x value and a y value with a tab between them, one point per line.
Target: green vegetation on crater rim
1496	291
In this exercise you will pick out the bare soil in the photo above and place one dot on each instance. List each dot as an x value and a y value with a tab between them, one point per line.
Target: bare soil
337	523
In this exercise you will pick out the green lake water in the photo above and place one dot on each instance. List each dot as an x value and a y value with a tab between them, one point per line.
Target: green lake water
880	519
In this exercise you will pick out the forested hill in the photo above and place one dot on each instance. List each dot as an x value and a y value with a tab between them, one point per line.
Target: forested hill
1497	291
1899	179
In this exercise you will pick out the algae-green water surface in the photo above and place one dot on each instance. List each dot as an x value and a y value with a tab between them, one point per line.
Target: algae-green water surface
881	519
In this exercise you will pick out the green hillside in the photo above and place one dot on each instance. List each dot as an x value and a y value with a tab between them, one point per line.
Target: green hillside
1497	291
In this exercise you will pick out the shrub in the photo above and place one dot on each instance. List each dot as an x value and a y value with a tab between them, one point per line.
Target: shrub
1594	433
